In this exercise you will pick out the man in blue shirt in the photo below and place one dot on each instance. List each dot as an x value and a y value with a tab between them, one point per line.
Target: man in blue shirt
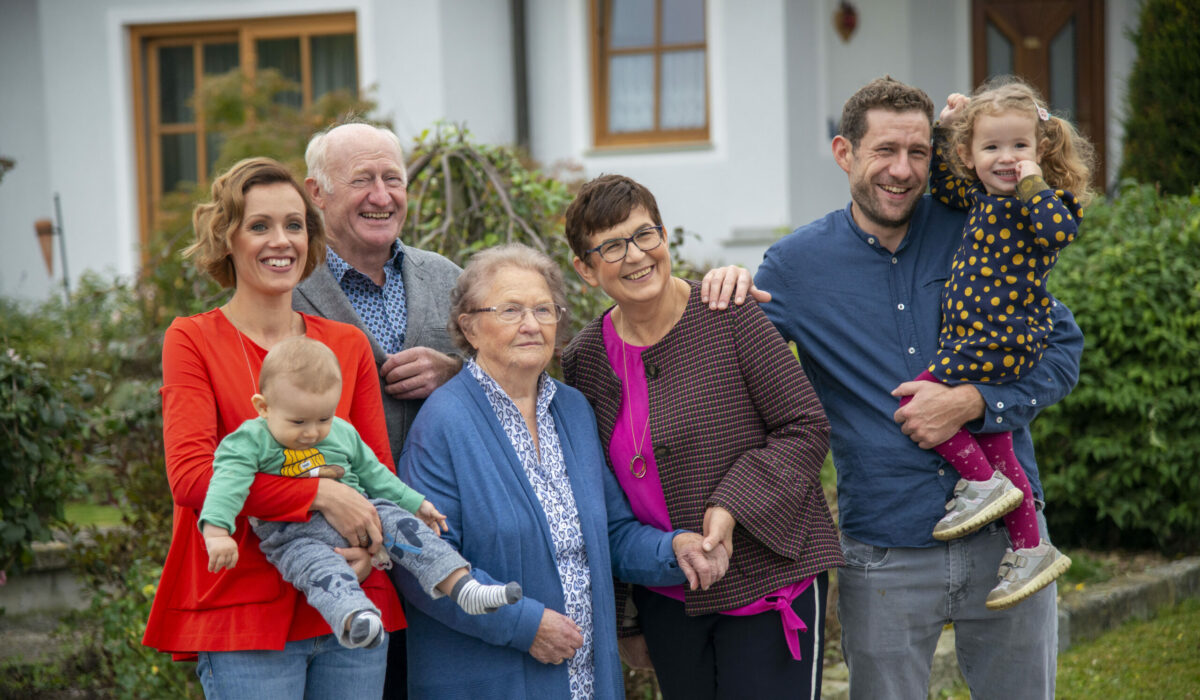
859	291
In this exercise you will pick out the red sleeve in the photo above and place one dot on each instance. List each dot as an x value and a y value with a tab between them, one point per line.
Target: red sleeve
366	407
201	404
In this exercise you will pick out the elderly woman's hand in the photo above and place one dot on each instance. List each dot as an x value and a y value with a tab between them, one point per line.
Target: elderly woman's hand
702	568
557	639
350	513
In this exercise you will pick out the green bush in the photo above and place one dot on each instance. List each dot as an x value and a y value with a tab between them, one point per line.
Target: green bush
1119	456
42	427
1162	141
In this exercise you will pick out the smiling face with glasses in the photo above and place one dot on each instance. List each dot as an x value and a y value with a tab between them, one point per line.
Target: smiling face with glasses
630	261
513	329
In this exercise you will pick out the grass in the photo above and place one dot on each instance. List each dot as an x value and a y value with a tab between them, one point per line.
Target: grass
84	514
1151	659
1157	658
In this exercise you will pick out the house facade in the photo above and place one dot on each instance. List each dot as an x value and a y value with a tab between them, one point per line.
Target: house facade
724	108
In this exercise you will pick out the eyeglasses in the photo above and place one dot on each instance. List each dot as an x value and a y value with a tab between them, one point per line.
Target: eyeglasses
544	314
615	249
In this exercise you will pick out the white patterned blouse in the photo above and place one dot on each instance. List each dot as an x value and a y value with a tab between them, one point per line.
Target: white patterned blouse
547	474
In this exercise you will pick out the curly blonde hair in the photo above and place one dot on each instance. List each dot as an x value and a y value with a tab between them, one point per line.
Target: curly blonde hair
1067	157
216	221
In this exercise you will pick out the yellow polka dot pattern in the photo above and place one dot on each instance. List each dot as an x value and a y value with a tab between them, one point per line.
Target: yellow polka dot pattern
995	308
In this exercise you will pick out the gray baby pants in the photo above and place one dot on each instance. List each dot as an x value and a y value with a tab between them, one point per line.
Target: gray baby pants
303	553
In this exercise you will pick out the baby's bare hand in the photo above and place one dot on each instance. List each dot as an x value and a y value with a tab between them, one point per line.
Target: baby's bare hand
222	553
955	104
1026	168
432	517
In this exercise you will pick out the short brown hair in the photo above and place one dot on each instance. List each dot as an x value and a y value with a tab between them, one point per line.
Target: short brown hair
603	203
216	221
481	269
308	364
881	93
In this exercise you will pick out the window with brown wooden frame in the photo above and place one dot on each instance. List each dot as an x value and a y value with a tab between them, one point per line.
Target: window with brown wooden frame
649	72
171	62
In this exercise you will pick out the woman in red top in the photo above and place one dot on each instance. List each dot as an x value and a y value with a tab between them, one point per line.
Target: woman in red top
252	633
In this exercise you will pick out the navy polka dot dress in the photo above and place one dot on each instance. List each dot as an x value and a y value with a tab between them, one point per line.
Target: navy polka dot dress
995	308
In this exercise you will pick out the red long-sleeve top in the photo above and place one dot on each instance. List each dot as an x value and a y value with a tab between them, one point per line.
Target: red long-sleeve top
210	371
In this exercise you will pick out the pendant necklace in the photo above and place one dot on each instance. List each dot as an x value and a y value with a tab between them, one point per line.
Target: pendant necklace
637	463
242	344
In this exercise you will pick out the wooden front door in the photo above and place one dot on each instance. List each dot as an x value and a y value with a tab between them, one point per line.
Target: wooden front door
1058	46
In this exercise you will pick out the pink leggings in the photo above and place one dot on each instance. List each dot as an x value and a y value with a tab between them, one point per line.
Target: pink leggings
976	456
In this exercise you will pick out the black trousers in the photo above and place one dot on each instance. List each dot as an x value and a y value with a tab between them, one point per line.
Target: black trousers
728	657
395	683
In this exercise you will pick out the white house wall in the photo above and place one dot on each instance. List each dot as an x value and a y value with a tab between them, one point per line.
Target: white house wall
738	181
778	75
67	112
25	191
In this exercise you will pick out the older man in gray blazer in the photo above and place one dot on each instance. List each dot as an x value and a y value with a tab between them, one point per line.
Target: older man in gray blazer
399	296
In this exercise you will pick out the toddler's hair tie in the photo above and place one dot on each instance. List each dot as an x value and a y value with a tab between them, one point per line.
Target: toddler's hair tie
1043	114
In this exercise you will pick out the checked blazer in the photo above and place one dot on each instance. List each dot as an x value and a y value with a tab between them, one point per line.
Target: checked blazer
735	424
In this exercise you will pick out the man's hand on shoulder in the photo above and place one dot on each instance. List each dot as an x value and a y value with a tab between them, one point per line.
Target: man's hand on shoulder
414	373
937	411
723	283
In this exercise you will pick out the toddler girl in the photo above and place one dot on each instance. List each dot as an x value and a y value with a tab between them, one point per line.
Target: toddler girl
1012	165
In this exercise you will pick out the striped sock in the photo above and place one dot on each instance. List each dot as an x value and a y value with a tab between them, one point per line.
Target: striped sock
476	599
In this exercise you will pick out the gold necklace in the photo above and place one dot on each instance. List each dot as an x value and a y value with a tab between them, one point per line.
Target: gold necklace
637	463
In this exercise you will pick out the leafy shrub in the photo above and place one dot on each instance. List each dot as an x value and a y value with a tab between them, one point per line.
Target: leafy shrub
1162	143
1119	455
41	427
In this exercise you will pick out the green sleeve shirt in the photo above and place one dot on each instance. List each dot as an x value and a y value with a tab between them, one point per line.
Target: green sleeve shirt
251	450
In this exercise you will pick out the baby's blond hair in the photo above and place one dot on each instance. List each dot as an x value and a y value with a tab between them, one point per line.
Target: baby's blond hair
308	364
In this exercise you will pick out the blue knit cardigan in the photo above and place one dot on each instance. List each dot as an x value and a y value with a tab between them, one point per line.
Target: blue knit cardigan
458	455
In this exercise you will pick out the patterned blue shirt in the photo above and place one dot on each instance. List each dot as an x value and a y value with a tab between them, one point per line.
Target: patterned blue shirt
547	474
382	309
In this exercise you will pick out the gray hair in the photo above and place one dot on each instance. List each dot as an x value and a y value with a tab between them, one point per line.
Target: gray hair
482	268
315	155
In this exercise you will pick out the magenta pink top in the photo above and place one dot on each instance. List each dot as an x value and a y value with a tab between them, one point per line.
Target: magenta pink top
630	439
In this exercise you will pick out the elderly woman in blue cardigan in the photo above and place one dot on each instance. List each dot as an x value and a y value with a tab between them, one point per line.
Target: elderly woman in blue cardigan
512	458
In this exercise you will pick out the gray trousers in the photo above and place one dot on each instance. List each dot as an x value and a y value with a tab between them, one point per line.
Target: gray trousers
303	553
893	603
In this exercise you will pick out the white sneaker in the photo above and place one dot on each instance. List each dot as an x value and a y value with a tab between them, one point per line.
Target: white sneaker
975	504
1025	572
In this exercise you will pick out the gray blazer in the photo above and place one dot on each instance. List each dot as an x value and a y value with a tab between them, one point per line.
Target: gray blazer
428	280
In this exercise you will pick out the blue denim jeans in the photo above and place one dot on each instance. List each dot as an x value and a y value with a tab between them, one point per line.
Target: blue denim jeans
893	603
313	669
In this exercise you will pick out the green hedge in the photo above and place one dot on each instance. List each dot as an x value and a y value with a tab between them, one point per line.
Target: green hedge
1120	456
1162	126
42	426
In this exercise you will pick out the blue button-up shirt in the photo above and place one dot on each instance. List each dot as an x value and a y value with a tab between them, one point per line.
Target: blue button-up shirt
864	320
382	309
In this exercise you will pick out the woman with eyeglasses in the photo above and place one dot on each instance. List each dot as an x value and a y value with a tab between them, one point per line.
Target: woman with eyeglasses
513	460
709	424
